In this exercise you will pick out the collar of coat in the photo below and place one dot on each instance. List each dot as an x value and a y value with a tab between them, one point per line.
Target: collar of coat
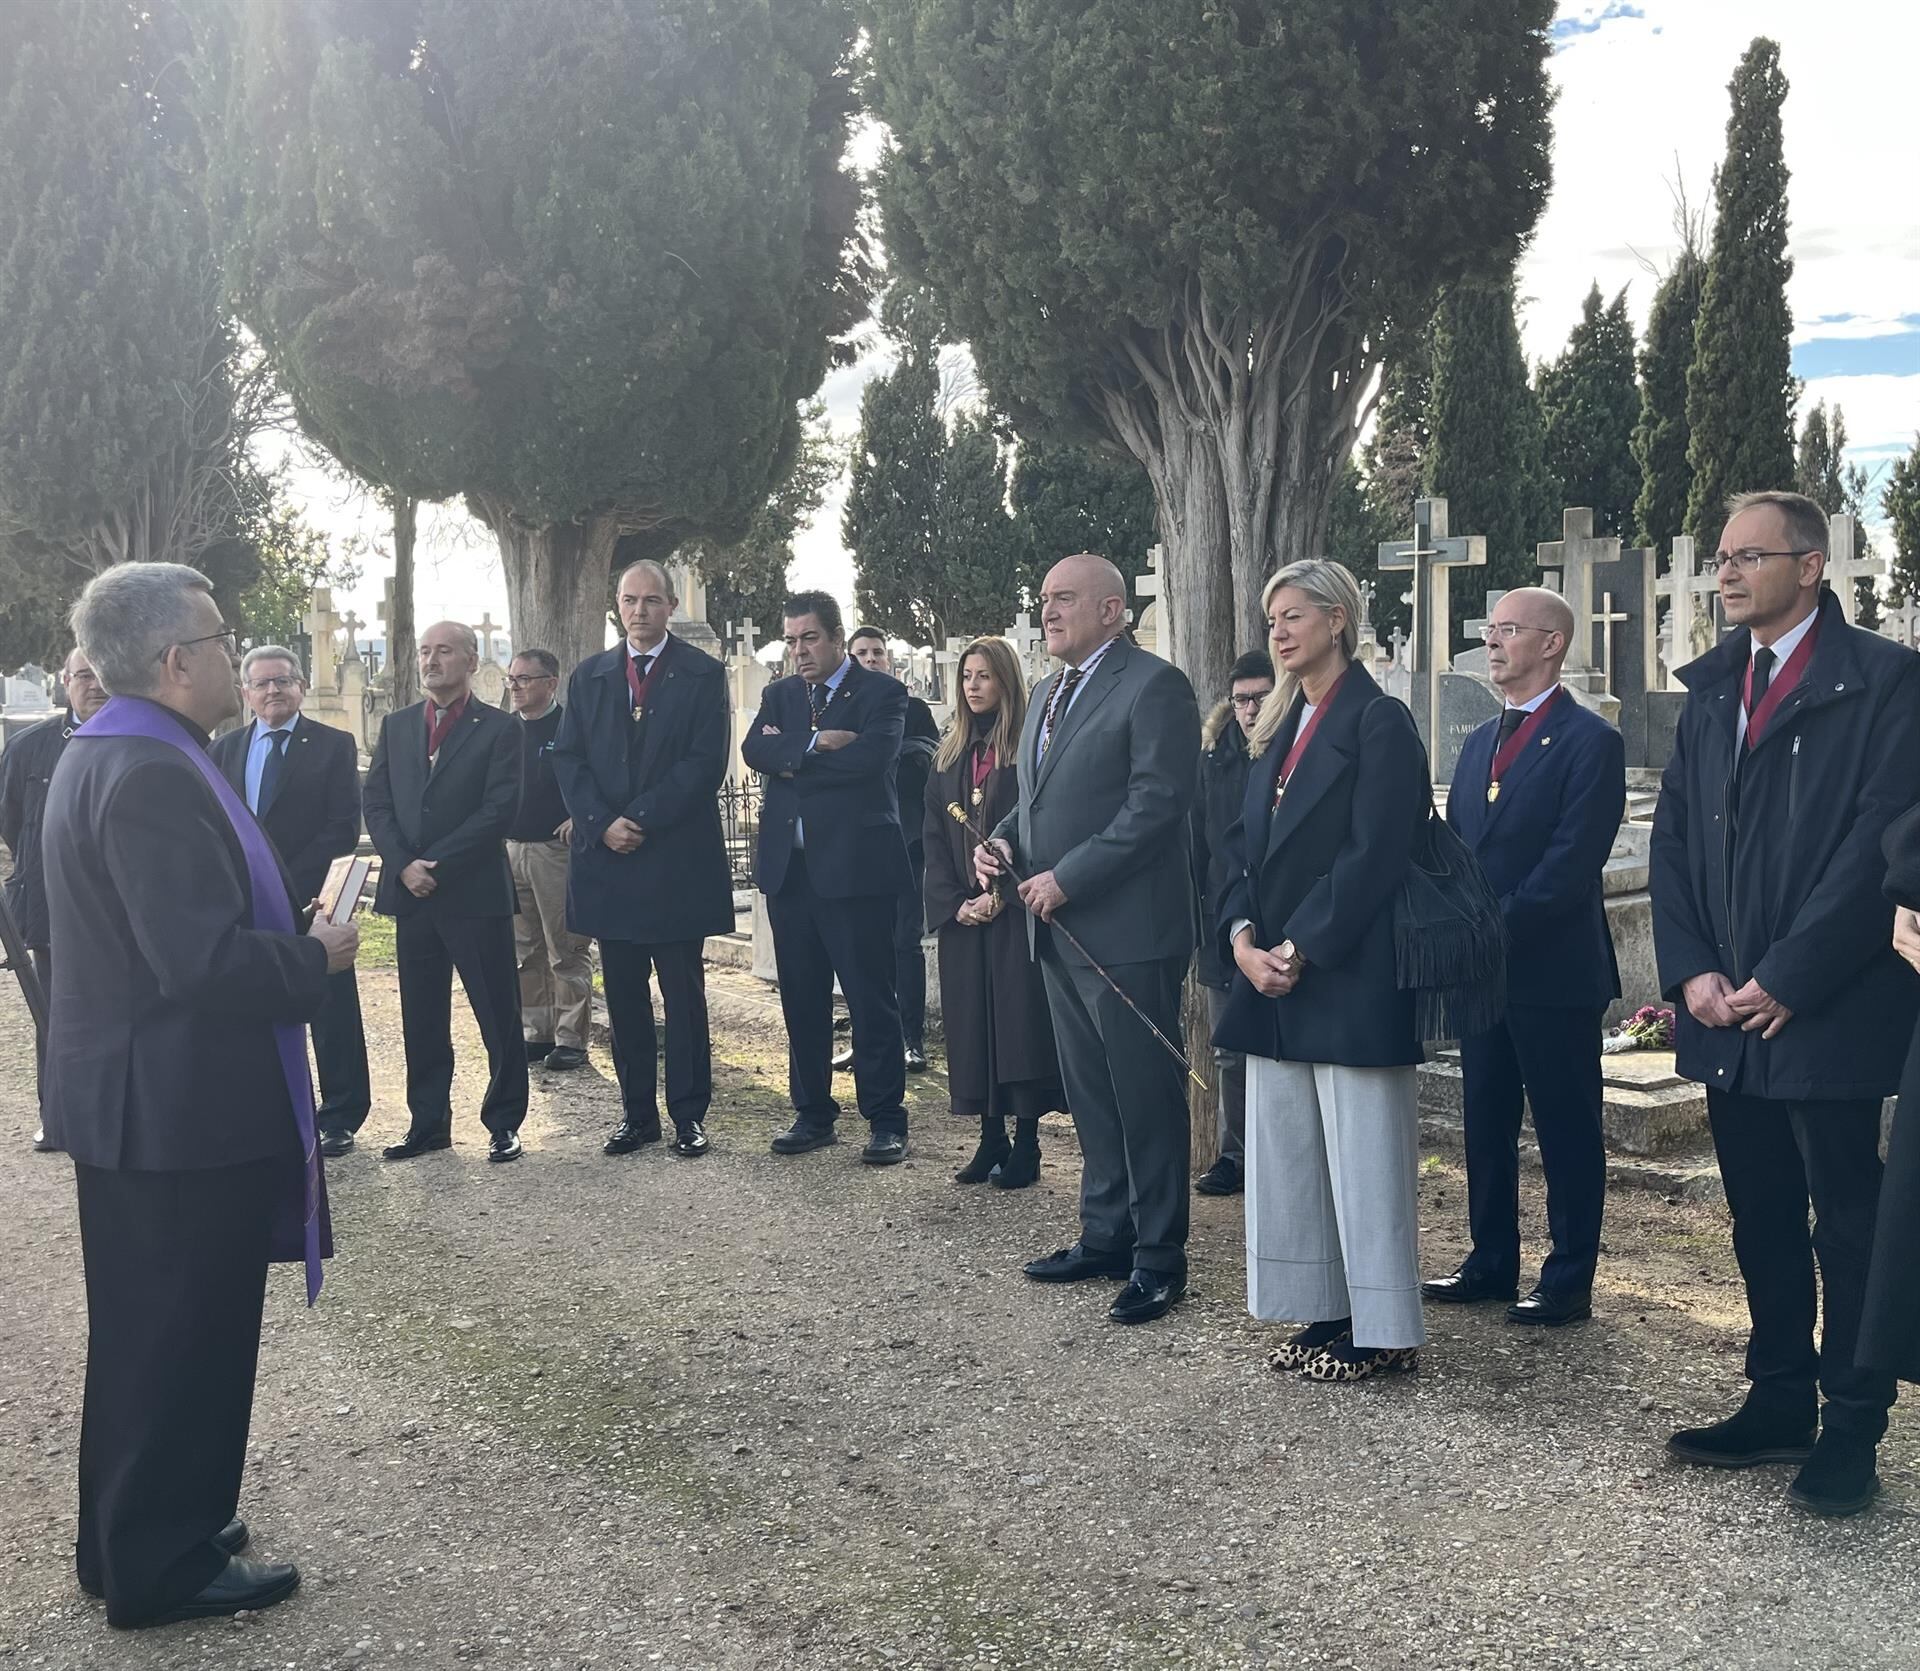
1837	663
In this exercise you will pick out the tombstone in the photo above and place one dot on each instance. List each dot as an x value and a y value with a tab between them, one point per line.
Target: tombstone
1430	555
1368	648
26	692
690	613
1029	643
1844	568
1397	682
486	630
946	662
490	682
322	627
1474	658
1147	586
1466	701
1576	554
1901	623
1630	634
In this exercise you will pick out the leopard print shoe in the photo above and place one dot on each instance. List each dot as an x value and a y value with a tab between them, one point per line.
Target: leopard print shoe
1307	1344
1345	1361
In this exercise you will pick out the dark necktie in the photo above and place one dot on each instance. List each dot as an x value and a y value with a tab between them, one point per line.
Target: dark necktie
818	696
271	767
1763	660
1057	708
1511	719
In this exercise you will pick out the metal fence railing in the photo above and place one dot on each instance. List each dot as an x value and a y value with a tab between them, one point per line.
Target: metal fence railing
740	826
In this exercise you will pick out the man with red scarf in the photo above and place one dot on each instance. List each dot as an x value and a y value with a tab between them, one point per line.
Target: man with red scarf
1798	745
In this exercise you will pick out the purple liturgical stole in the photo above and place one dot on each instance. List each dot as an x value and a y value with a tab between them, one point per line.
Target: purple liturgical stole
302	1228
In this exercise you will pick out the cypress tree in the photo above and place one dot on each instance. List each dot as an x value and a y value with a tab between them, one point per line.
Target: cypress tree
1588	404
1487	454
1900	502
1740	387
1661	437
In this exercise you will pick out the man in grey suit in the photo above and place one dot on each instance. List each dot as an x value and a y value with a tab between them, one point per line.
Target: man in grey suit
1108	764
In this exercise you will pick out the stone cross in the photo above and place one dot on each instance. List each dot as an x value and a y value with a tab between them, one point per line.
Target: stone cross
1843	567
353	624
1028	640
1685	592
1148	587
1429	555
486	627
1901	623
740	636
1576	554
321	624
949	658
1476	630
1606	618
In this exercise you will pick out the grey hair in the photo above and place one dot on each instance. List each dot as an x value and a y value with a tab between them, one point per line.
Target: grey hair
469	639
271	652
657	570
1806	521
129	616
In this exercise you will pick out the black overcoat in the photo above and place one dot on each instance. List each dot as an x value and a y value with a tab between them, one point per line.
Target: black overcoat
1796	901
1890	1325
1216	808
993	1000
664	772
26	769
1323	871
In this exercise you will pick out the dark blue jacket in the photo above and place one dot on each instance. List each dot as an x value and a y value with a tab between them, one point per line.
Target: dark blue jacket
665	774
26	770
1542	845
1323	871
854	844
1795	900
314	816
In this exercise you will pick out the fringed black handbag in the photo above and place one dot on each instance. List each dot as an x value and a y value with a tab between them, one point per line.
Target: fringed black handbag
1449	938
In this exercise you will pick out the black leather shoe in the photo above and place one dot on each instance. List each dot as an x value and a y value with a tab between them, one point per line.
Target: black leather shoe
885	1148
1838	1478
412	1145
630	1135
539	1052
1465	1288
229	1540
505	1146
565	1059
1225	1176
334	1144
1551	1310
1746	1439
843	1059
690	1141
801	1138
1147	1295
239	1587
916	1059
1078	1263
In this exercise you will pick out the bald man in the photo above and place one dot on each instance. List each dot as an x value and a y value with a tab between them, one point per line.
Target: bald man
1109	766
1538	795
440	797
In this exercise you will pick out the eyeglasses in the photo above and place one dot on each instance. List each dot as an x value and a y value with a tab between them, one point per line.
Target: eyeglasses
520	681
1250	699
280	681
1751	560
1506	630
228	636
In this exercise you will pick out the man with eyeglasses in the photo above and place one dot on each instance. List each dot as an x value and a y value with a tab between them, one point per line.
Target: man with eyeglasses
301	780
1798	745
1538	794
26	770
556	971
1224	764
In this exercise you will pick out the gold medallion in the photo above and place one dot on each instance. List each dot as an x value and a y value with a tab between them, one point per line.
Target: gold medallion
979	795
1493	792
639	714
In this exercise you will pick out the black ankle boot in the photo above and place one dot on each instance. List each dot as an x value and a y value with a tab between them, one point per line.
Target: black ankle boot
1022	1166
992	1151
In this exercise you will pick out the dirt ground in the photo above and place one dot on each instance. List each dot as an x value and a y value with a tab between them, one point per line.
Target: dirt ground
765	1412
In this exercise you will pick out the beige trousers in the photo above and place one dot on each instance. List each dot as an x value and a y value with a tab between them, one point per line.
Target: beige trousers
556	968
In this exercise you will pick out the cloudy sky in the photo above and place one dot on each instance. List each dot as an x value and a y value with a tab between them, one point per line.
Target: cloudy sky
1642	108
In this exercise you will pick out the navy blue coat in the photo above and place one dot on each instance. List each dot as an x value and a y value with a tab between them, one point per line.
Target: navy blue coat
1323	871
1542	845
665	774
855	848
1796	903
26	770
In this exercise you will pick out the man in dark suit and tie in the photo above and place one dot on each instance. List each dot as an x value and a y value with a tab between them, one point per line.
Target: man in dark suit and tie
177	1080
831	861
639	758
302	781
441	795
1109	766
1538	795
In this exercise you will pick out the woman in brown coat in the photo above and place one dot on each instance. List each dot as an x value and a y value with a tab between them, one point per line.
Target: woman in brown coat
1000	1052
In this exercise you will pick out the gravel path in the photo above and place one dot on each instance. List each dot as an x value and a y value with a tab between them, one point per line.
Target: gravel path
756	1412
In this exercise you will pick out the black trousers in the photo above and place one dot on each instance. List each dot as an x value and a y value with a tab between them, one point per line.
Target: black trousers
1129	1103
176	1271
624	970
814	940
340	1053
1776	1159
481	948
1551	1058
909	960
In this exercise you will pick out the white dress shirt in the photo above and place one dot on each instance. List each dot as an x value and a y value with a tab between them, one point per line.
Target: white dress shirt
1073	696
1782	648
257	756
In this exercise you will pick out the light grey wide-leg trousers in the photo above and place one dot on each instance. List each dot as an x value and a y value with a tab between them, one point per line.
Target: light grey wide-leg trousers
1332	1209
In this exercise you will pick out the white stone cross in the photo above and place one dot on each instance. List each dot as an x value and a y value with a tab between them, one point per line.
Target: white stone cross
1430	554
486	627
1028	640
946	658
1475	631
740	636
353	624
1901	623
1606	618
321	624
1843	567
1576	554
1685	592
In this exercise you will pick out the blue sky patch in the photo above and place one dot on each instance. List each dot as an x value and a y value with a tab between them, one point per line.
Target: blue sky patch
1895	354
1565	30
